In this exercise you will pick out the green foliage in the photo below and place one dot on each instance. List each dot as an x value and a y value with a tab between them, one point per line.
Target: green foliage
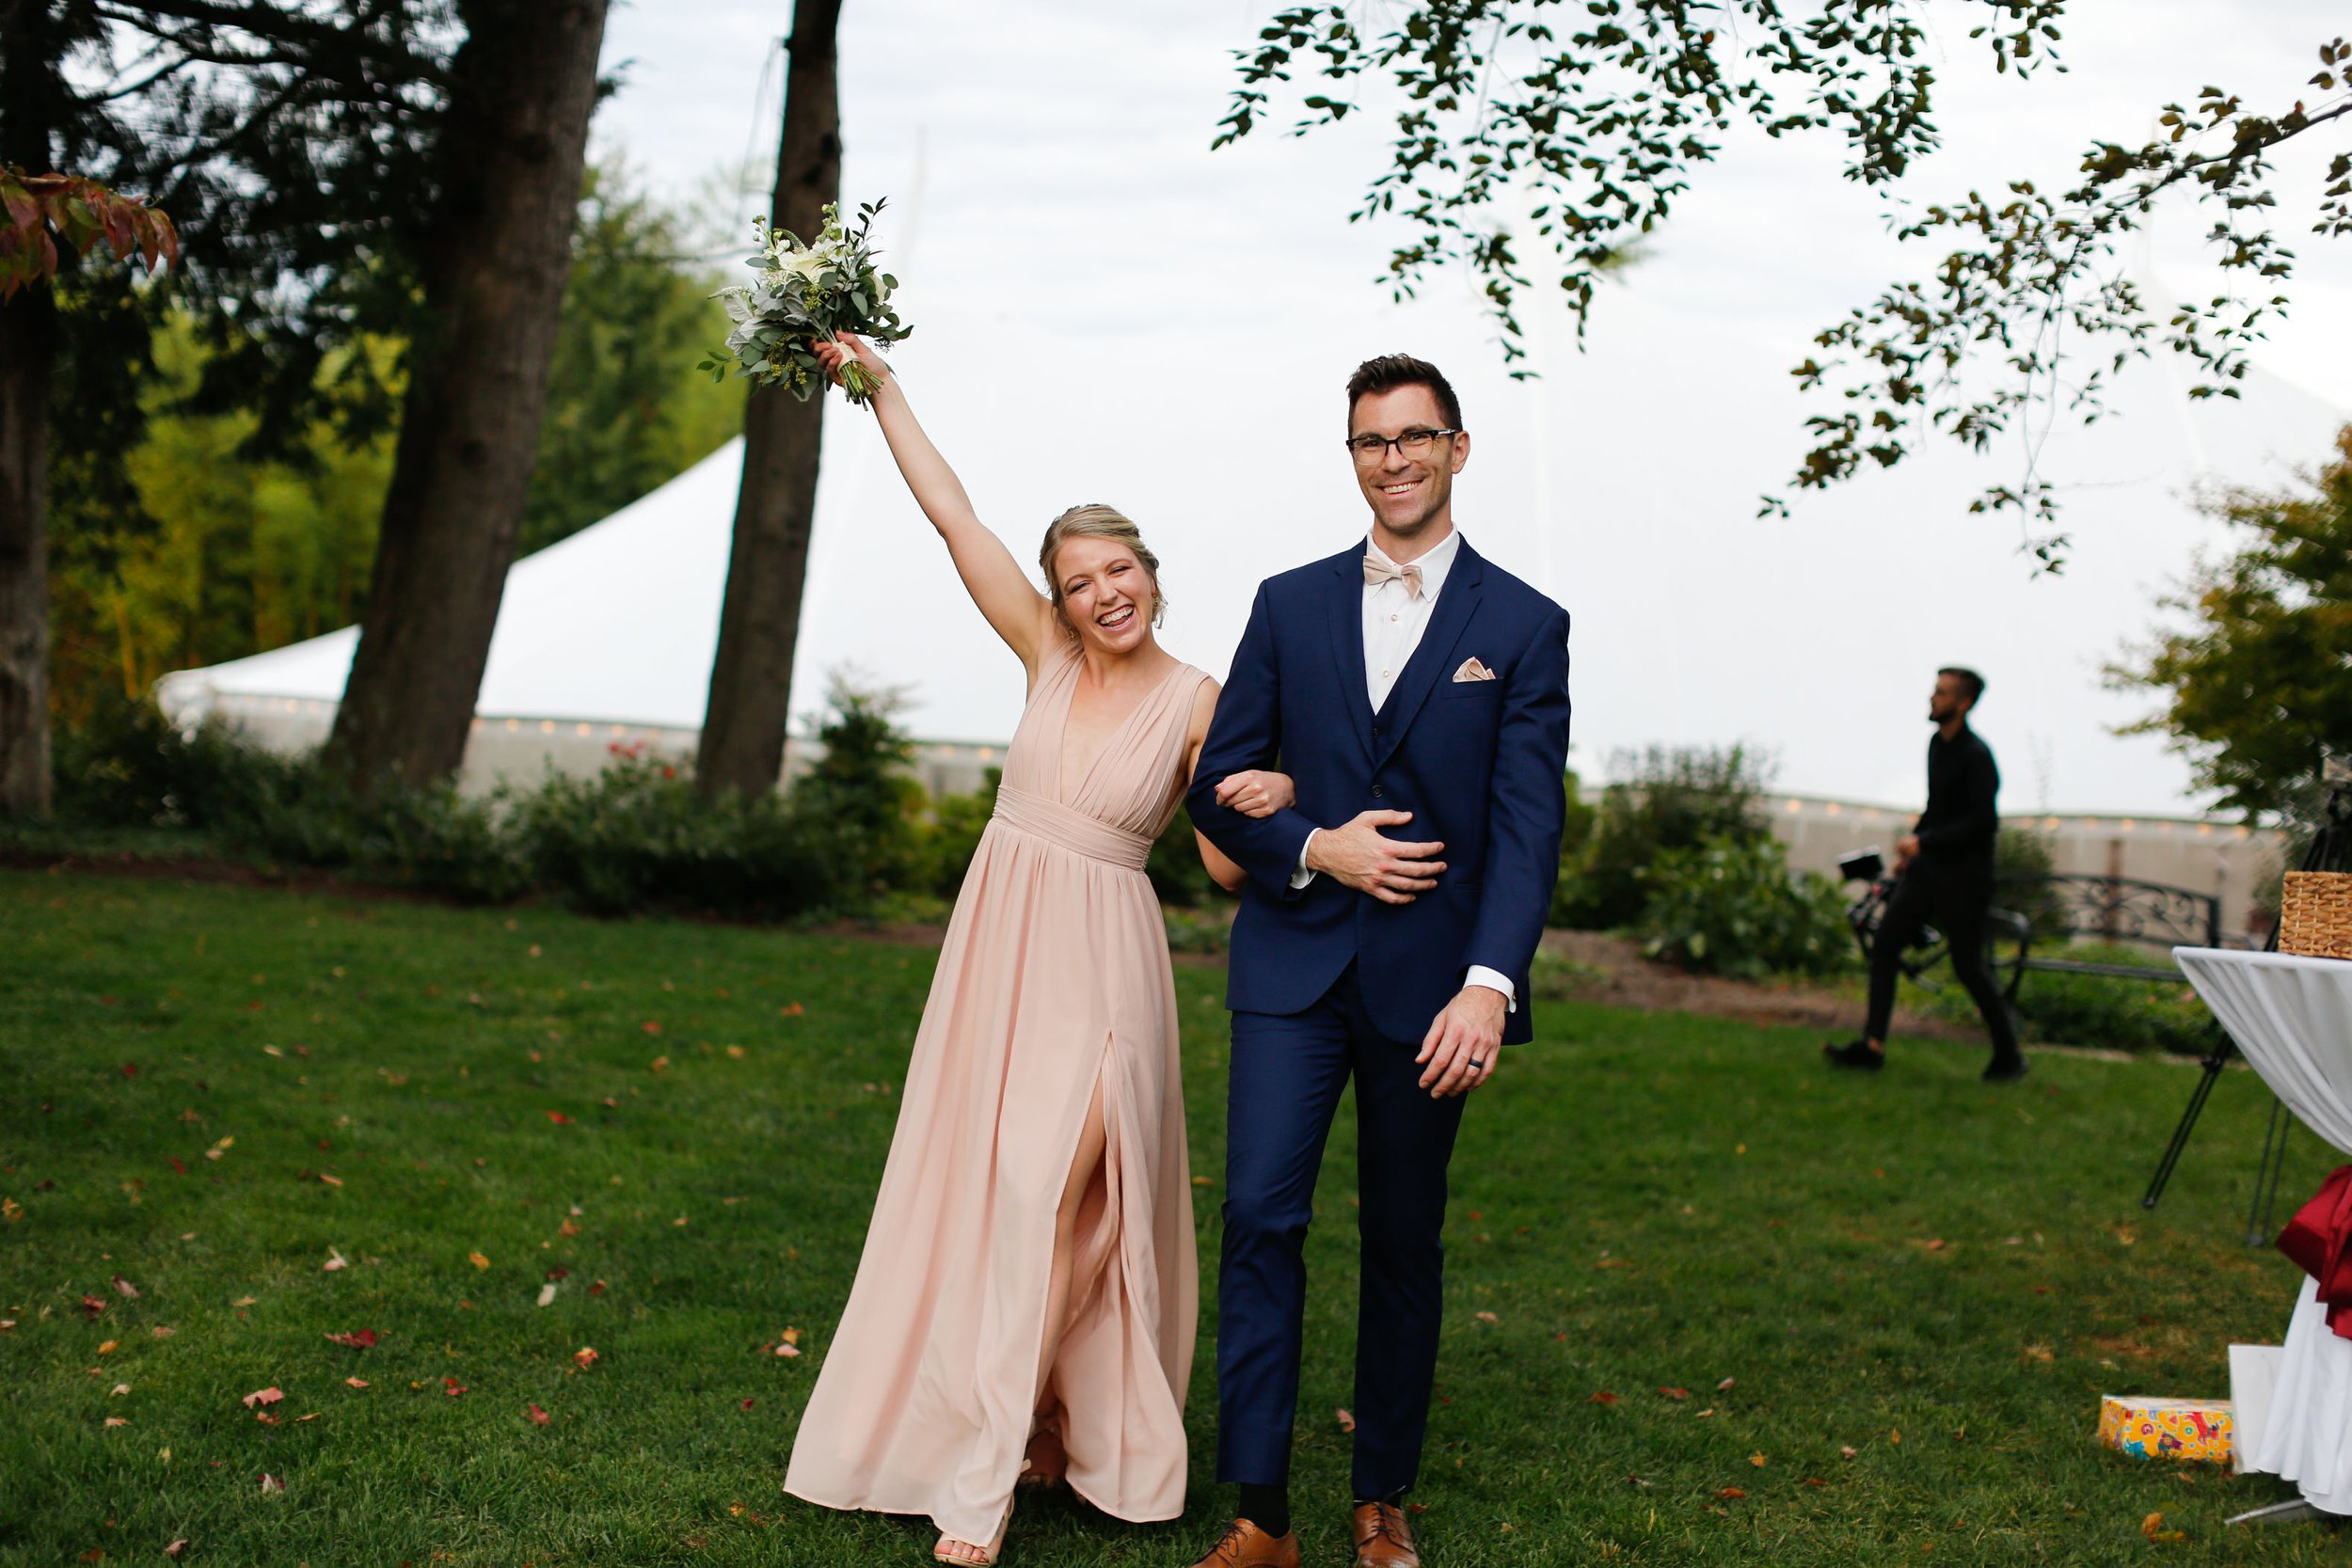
1730	905
194	540
1595	119
859	790
1175	869
2254	685
625	410
2100	1010
1665	797
957	823
2022	864
1569	893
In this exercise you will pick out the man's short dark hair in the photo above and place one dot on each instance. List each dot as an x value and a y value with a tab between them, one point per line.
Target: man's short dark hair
1971	684
1391	371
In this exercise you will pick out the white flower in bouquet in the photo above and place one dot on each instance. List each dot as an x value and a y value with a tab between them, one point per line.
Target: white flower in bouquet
805	294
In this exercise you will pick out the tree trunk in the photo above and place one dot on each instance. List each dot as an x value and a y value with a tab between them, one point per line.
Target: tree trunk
27	346
513	156
751	678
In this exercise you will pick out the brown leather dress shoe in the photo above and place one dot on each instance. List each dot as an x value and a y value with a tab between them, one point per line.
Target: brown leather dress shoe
1383	1539
1245	1546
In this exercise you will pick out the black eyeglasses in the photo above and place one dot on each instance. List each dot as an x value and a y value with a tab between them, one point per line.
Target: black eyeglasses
1372	449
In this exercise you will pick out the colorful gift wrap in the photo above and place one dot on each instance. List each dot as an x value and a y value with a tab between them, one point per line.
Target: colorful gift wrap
2167	1429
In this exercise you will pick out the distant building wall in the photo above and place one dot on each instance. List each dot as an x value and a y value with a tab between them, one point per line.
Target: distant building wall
2239	863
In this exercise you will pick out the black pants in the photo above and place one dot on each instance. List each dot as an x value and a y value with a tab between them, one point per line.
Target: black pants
1955	901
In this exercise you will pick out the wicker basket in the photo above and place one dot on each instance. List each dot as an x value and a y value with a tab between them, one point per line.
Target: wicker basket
2316	914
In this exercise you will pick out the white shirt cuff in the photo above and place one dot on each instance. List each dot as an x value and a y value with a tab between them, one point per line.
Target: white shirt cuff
1493	979
1300	876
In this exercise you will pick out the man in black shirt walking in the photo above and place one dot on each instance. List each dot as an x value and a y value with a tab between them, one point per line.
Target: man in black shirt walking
1943	876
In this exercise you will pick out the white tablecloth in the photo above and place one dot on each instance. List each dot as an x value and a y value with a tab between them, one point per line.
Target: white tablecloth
2293	1019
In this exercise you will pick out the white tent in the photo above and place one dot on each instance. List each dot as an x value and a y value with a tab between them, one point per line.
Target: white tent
1623	483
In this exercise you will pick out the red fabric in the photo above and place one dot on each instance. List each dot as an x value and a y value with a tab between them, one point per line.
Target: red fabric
2319	1239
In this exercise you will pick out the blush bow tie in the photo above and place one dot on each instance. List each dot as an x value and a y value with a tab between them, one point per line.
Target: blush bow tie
1377	571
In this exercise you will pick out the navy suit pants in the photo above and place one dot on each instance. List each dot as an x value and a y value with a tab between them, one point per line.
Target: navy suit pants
1287	1075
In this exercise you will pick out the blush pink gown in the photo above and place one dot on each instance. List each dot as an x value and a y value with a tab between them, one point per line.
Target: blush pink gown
1054	976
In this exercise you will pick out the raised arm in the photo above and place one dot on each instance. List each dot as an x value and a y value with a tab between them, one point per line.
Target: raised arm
1022	616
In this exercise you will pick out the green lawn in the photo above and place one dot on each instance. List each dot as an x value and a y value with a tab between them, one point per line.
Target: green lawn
1641	1202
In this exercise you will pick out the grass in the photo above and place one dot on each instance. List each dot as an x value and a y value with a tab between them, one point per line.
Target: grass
1641	1202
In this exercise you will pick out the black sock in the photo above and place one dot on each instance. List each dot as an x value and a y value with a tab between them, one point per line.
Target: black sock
1267	1507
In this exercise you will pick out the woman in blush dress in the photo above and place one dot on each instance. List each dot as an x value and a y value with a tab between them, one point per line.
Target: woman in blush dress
1028	1294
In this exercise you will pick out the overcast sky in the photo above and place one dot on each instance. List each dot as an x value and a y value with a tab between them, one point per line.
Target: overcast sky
1105	310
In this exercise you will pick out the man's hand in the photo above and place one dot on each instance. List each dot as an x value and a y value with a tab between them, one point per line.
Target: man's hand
1906	850
1257	792
1463	1042
1390	869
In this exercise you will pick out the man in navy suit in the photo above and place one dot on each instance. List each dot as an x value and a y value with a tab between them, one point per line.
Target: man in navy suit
1417	696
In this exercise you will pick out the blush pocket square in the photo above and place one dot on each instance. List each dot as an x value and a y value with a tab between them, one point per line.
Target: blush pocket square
1473	671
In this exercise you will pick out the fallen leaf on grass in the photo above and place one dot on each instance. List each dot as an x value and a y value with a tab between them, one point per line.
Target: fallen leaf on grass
356	1382
262	1396
1725	1384
119	1390
330	1180
1488	1318
1732	1493
1849	1451
787	1350
539	1417
1810	1482
2153	1528
1757	1460
106	1346
92	1305
585	1357
1202	1182
1637	1480
567	1228
598	1289
450	1387
559	1119
477	1260
123	1421
270	1484
335	1260
177	1548
361	1340
1600	1396
7	1324
1347	1419
1895	1436
163	1331
124	1287
1704	1413
546	1294
311	1415
245	1301
747	1404
1676	1393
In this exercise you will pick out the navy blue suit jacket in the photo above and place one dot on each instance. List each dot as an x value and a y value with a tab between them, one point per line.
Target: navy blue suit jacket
1479	763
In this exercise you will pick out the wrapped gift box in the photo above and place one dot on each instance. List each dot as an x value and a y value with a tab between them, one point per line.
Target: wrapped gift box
2167	1429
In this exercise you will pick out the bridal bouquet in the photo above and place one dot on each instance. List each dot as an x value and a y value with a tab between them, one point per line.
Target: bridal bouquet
805	294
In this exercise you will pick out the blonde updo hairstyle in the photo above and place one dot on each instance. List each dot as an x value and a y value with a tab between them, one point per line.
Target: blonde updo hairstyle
1096	521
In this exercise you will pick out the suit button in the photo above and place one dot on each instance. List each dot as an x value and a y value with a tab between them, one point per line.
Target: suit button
1376	731
1375	792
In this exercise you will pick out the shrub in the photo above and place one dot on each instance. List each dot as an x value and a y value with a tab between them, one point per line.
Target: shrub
2101	1010
1730	905
858	794
1570	894
954	835
1665	798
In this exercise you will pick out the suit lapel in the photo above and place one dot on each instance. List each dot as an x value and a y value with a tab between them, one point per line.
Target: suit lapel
1456	604
1347	640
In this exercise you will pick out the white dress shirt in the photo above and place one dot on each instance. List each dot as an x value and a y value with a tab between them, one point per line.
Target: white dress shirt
1393	623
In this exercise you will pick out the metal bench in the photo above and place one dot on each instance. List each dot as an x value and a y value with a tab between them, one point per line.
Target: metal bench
2046	914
